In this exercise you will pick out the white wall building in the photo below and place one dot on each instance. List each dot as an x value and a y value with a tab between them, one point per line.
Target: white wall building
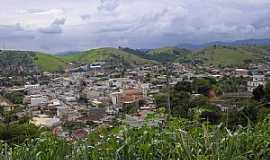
255	82
38	100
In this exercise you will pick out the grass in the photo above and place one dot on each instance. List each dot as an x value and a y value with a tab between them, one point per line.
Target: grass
167	54
222	56
49	63
227	56
107	54
178	139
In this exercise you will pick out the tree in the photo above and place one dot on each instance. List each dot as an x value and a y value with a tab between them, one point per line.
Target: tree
267	91
184	86
212	117
258	93
202	86
180	104
161	99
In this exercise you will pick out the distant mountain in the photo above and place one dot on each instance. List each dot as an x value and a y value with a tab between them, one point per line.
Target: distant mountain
226	56
258	42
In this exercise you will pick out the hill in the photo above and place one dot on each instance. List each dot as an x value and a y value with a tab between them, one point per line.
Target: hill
49	63
28	62
111	55
229	55
256	42
168	54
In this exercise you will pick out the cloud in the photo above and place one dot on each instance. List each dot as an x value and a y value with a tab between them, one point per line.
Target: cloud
134	23
85	16
44	12
54	27
59	21
108	5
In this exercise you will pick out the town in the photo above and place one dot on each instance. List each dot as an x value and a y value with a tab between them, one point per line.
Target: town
73	103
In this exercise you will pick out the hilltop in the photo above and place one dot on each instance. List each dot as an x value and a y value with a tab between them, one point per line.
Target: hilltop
28	62
256	42
111	55
167	54
228	55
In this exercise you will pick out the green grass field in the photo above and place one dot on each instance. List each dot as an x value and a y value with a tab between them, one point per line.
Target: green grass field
107	54
167	54
227	56
49	63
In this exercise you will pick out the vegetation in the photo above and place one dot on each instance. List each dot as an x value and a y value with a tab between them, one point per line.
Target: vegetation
177	139
14	97
16	62
111	55
194	128
49	63
27	62
168	54
224	56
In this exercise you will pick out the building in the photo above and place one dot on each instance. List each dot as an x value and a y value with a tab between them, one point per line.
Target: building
38	100
255	81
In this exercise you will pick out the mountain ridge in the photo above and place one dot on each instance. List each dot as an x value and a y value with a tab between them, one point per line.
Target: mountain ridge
259	42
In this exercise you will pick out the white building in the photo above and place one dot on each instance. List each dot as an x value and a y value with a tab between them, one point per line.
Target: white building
255	82
38	100
45	121
29	87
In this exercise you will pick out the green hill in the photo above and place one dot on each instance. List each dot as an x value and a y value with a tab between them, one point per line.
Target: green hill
112	55
168	54
28	62
228	56
49	63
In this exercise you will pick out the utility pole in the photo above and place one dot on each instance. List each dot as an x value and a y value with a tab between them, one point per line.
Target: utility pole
168	74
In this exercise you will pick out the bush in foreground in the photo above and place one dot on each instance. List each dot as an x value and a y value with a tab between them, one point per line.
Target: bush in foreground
177	139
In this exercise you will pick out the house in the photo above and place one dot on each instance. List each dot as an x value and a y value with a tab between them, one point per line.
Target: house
241	72
29	87
255	81
38	100
45	121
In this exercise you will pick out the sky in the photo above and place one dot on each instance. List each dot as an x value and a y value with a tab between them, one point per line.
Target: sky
69	25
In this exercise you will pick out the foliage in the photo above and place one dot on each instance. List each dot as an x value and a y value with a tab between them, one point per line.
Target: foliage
17	133
14	97
229	56
49	63
168	54
258	93
161	99
178	139
183	86
110	55
267	91
232	84
180	104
